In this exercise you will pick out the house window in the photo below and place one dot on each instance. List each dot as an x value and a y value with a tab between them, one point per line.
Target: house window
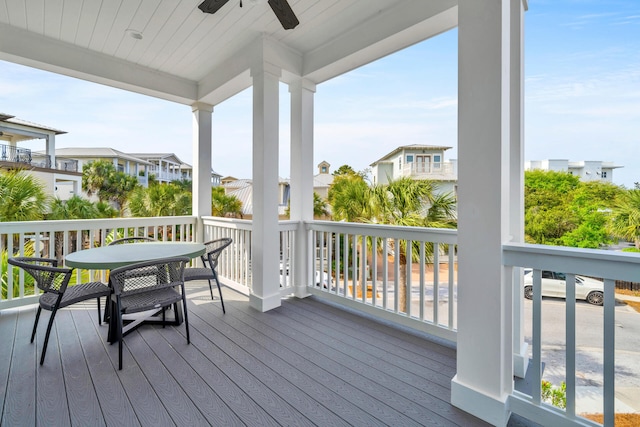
436	161
324	169
409	158
604	174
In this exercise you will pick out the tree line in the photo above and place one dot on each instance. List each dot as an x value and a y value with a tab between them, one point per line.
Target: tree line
559	208
118	194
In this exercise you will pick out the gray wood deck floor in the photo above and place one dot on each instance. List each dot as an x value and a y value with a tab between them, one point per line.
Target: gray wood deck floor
305	363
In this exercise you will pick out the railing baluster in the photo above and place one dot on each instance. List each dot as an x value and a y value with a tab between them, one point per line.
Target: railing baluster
374	270
423	287
408	271
436	283
452	296
396	275
363	269
609	342
570	283
385	272
537	336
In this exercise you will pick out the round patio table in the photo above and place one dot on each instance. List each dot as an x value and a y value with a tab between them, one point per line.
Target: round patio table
110	257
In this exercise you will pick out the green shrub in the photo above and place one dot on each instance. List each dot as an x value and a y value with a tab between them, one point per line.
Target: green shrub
556	396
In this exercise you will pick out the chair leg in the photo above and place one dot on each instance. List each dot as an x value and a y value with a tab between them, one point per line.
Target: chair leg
35	324
99	315
107	308
186	316
119	333
215	276
46	337
210	288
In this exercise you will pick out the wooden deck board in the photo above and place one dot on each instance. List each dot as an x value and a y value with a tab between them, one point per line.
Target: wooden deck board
327	368
7	332
305	363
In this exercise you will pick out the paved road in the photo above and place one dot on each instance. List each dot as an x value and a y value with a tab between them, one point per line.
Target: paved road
589	356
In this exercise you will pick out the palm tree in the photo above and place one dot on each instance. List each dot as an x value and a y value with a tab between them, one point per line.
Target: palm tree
160	200
76	207
225	205
24	197
95	175
412	203
350	197
625	217
320	208
403	202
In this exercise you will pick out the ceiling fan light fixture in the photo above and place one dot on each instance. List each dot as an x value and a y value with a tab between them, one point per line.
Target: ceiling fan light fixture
280	8
135	34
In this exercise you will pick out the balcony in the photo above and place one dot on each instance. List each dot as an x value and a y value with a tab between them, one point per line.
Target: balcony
26	158
353	337
307	363
431	170
11	154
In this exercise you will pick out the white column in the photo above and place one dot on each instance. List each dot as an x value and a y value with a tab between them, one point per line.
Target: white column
201	203
51	149
265	238
301	208
516	181
484	378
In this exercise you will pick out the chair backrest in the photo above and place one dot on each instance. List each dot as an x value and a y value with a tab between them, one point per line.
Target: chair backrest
148	275
133	239
46	273
213	250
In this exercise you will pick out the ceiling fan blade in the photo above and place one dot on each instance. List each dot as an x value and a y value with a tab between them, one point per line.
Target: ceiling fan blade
284	13
211	6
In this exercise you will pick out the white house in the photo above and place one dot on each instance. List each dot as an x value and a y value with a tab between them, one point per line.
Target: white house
323	180
62	177
123	162
586	170
417	162
242	189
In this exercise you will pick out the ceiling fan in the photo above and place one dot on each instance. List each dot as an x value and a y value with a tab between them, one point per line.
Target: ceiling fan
281	8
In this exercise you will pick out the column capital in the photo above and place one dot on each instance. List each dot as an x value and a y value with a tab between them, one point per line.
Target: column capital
263	68
201	106
302	84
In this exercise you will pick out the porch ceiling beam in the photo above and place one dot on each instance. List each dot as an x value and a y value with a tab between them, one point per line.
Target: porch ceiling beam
23	132
233	76
406	24
33	50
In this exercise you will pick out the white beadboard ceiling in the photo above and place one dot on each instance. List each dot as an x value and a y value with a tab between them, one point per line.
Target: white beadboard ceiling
187	56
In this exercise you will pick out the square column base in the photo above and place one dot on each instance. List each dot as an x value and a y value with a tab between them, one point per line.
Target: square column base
263	304
489	409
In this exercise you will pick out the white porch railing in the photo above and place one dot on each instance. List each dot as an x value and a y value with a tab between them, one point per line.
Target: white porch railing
365	266
363	258
234	263
361	266
430	169
610	266
55	239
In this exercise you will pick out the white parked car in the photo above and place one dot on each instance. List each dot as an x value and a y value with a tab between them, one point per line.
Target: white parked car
319	278
554	285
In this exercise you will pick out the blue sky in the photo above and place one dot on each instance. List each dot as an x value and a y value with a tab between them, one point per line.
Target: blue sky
582	100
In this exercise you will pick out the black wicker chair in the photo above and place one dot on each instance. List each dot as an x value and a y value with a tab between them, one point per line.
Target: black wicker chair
53	281
146	286
133	239
210	261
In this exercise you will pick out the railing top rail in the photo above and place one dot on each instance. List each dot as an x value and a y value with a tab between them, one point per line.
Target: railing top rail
82	224
442	235
240	224
590	262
